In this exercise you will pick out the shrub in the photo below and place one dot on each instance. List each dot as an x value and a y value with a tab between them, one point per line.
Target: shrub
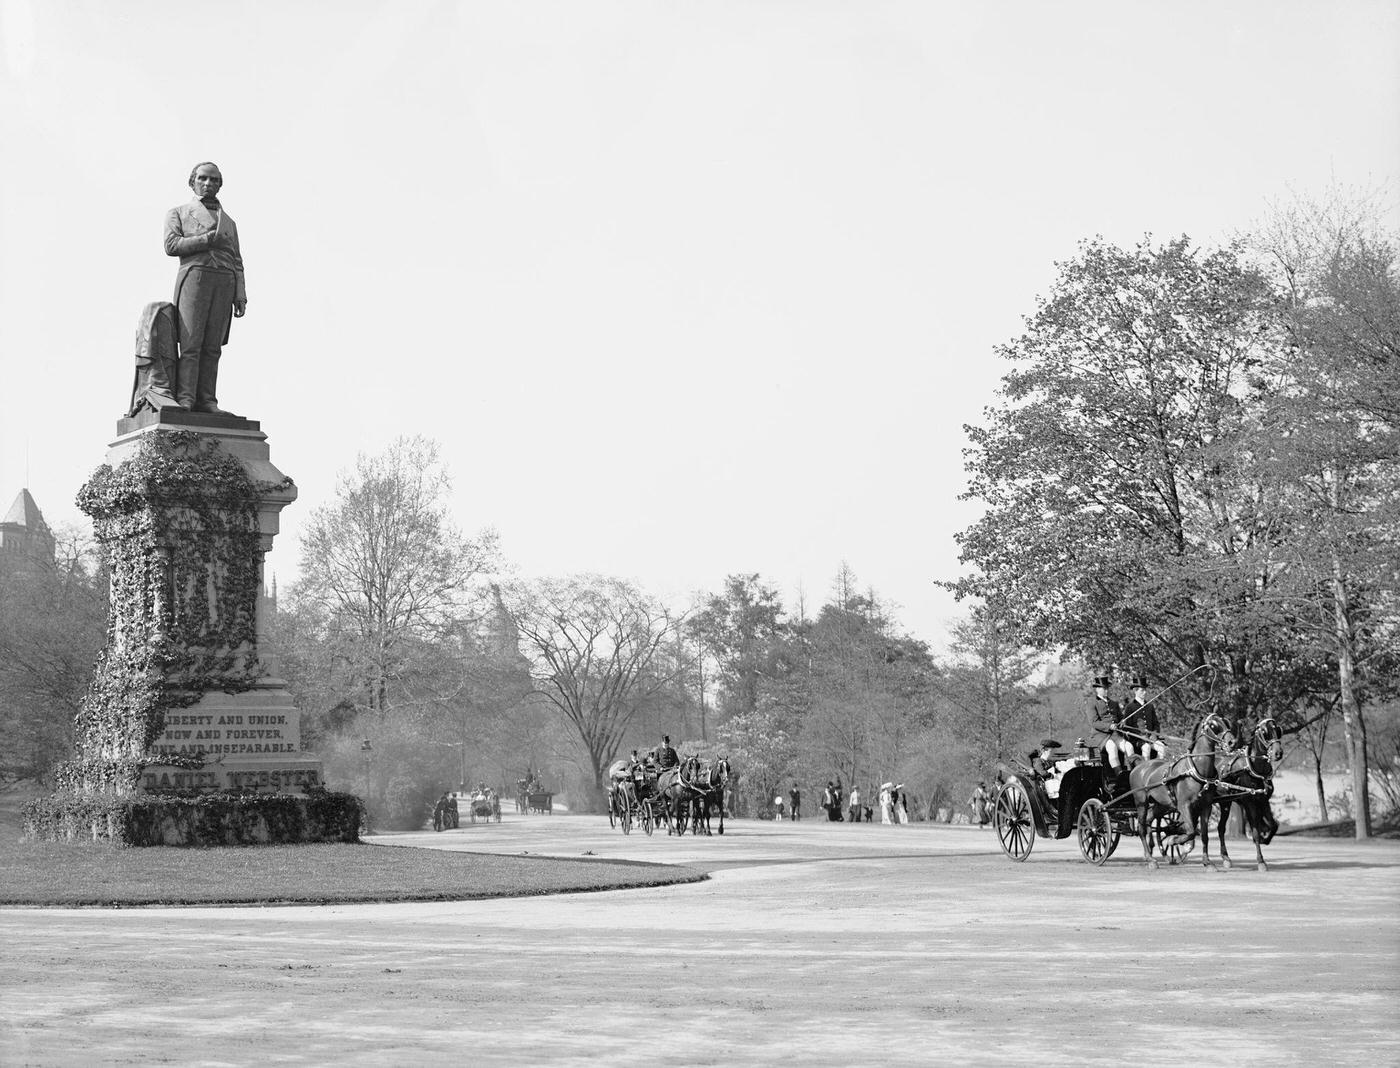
207	820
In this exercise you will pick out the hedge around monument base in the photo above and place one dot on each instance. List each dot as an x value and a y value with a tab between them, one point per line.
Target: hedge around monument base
206	820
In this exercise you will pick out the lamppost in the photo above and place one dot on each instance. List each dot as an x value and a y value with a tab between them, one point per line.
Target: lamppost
366	752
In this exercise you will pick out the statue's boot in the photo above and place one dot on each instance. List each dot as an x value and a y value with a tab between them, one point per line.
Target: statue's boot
205	398
187	373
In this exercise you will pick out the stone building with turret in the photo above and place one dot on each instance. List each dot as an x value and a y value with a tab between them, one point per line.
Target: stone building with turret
25	538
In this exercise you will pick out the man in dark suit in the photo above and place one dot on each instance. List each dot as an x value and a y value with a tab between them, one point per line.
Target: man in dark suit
1140	721
1104	715
209	287
666	757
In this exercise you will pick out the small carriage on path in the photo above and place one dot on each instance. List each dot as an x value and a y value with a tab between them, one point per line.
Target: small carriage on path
1079	799
532	797
633	800
484	805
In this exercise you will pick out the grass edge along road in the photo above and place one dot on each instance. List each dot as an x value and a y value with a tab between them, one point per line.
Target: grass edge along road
67	876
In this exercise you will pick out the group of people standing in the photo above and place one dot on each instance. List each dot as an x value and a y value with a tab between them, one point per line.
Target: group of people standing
841	807
894	803
445	814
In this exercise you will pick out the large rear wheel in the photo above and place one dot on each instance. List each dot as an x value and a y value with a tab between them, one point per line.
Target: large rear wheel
624	815
1097	835
1015	826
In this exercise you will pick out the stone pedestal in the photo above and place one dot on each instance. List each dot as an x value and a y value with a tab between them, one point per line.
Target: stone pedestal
187	570
249	741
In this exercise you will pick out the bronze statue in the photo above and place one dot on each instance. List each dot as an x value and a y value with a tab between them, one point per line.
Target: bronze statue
209	289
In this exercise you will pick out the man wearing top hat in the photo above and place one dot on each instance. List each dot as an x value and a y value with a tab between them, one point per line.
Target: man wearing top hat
1139	721
209	288
1105	714
666	757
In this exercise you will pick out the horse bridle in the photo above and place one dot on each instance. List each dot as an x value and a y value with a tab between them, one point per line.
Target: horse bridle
1267	740
1208	730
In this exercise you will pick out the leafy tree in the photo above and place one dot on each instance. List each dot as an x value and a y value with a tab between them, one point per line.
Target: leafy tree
760	745
740	628
1120	516
52	624
597	650
1332	415
988	696
868	687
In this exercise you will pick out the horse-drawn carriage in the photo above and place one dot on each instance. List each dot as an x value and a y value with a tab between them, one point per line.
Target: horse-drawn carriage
484	805
532	797
1079	800
679	796
1166	804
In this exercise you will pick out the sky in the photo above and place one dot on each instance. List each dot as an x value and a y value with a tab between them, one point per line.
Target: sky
682	289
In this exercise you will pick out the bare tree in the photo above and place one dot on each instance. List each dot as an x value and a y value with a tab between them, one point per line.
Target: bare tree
597	647
385	563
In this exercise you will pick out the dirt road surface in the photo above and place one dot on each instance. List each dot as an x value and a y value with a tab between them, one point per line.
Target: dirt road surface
812	943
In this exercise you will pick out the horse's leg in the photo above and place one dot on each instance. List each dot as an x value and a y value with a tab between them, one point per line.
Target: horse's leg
721	810
1256	821
1220	831
1200	825
1144	803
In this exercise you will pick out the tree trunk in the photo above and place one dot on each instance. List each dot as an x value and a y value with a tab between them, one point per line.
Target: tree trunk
1321	794
1352	722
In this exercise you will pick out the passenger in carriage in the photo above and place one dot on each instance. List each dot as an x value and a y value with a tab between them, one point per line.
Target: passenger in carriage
1045	764
1140	721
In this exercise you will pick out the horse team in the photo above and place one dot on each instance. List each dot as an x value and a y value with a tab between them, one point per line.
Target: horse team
680	796
1221	770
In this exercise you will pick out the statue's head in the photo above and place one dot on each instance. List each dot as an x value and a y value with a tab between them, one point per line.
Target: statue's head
205	180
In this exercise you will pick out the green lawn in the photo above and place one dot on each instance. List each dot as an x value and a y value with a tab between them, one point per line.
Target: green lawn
49	874
43	873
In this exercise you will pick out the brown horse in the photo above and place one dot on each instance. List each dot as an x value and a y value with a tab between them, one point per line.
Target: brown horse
674	794
1248	780
1185	785
708	781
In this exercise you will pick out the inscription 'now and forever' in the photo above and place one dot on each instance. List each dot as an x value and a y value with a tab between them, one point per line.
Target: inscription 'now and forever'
226	734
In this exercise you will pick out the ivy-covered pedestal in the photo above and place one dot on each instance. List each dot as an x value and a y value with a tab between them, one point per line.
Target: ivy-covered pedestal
184	701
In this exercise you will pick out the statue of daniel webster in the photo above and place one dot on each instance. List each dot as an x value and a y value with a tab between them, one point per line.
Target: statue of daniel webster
209	290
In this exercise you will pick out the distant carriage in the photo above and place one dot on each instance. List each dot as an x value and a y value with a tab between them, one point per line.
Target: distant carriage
532	797
485	806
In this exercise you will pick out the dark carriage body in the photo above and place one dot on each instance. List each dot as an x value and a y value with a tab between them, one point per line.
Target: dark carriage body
1086	806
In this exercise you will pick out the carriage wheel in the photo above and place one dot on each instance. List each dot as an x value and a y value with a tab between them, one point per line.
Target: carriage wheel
1164	827
648	820
1014	824
625	818
1097	836
612	811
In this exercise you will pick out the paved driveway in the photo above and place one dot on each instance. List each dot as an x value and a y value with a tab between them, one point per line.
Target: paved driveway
812	943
